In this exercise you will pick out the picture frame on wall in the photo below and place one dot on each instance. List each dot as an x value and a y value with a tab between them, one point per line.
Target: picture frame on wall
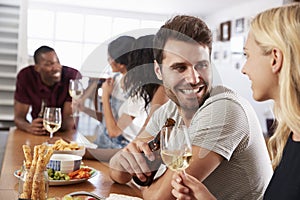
240	25
225	31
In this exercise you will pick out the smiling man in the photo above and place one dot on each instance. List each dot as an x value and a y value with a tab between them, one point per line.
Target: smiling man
186	74
47	83
229	152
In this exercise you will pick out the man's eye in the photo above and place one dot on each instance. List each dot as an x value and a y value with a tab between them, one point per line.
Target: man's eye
245	55
181	68
202	65
48	64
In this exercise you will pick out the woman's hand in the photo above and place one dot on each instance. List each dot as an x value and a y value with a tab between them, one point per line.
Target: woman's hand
78	104
107	87
187	187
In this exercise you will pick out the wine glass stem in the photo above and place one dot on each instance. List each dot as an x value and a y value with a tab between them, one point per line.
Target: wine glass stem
76	112
51	134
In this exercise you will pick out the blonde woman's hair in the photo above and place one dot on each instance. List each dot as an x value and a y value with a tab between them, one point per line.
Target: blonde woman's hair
280	28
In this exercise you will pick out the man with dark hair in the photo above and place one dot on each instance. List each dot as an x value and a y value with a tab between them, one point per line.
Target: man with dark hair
44	83
229	152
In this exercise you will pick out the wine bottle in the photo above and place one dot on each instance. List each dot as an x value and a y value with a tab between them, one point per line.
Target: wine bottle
154	146
43	105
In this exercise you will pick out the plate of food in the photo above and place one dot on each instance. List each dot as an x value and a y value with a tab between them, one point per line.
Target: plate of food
83	195
114	196
57	178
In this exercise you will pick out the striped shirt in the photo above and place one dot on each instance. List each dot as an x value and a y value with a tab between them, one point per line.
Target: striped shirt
227	125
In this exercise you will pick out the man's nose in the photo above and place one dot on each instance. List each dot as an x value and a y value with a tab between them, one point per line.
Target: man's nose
192	76
56	66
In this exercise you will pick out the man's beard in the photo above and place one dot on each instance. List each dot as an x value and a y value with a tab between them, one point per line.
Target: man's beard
193	104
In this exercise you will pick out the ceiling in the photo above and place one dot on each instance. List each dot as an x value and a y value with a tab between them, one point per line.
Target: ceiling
164	7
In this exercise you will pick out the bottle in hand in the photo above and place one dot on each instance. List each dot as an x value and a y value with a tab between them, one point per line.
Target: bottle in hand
43	105
154	146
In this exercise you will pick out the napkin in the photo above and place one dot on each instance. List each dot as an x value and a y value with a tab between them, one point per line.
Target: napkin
85	142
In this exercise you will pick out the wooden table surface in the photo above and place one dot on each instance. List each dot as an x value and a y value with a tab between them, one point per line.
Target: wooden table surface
101	184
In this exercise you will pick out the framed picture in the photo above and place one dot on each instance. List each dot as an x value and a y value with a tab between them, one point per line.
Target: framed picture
225	31
240	25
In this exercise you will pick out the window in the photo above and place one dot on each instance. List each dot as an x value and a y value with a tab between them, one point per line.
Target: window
97	28
151	24
69	26
41	24
39	32
69	53
123	25
75	32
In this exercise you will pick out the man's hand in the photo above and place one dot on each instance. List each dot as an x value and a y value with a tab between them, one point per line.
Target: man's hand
36	127
131	160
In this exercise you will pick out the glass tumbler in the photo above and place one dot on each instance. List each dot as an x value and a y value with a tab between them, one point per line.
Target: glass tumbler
33	185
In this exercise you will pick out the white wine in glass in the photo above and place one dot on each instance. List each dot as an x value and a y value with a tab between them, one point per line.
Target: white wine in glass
52	120
76	91
176	148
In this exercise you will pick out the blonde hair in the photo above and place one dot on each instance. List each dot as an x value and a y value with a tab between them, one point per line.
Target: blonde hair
280	28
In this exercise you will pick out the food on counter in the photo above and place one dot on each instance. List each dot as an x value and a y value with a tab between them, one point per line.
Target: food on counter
61	145
34	186
57	175
82	173
68	197
28	156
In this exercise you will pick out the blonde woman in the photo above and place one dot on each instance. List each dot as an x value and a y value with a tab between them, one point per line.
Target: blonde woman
272	50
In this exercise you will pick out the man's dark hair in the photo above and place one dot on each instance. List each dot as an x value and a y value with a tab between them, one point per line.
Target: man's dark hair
39	51
119	49
183	28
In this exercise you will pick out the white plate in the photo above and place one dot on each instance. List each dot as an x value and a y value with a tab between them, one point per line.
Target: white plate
114	196
64	182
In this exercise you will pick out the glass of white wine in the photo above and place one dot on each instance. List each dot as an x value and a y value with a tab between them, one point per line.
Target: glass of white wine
52	119
76	91
176	148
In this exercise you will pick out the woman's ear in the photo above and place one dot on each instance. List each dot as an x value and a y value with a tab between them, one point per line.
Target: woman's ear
157	70
277	60
122	68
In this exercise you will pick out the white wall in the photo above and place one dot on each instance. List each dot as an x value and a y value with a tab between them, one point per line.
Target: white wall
230	75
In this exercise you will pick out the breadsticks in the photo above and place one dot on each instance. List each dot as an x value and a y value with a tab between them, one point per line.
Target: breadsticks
28	157
29	177
34	183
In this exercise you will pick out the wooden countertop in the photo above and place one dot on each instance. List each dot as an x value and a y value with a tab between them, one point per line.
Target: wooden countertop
101	184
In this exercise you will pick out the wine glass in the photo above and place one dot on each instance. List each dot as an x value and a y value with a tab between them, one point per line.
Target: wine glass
52	120
76	91
176	148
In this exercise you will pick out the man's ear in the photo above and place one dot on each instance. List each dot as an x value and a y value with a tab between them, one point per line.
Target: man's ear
157	70
36	68
277	60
